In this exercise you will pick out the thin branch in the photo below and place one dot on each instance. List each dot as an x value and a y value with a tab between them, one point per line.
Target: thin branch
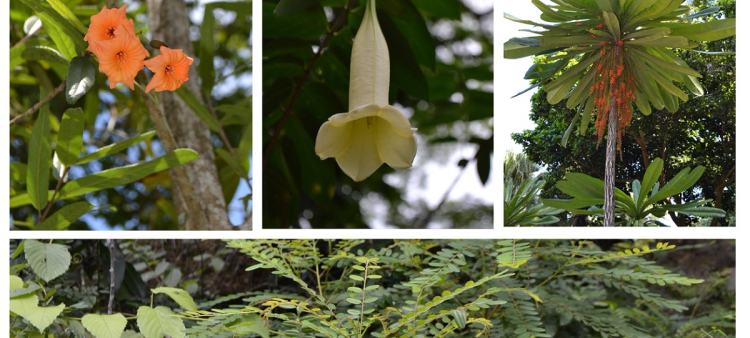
111	276
40	103
301	83
54	195
426	220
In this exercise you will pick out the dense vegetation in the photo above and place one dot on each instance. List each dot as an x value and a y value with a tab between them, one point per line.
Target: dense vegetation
372	288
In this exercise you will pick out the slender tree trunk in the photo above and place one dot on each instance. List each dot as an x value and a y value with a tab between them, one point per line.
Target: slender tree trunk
609	166
168	22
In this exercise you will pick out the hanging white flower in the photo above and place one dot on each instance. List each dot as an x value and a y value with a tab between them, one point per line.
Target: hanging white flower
372	132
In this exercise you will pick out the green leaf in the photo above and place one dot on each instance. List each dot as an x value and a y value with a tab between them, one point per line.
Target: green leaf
64	217
15	283
115	147
40	153
65	12
289	7
64	43
706	31
70	136
124	175
81	76
180	296
412	26
308	24
198	108
159	321
105	326
48	260
43	53
51	16
649	178
449	9
233	163
41	317
206	52
16	53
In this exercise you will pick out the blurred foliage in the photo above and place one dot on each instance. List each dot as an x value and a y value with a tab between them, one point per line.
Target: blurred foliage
441	78
701	132
436	288
113	115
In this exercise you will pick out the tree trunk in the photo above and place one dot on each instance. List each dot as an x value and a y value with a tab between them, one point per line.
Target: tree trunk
609	167
718	203
168	22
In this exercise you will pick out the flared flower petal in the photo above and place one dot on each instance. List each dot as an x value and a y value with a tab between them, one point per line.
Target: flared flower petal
362	140
121	58
104	25
170	69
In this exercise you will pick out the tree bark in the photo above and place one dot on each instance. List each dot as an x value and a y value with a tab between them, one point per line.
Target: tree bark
609	166
169	23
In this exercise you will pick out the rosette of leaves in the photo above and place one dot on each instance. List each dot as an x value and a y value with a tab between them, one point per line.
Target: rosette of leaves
622	54
518	205
647	198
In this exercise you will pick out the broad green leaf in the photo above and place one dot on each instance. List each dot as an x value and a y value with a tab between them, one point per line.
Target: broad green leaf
233	163
708	31
665	64
64	217
512	50
40	154
64	43
650	177
16	53
248	323
307	24
15	283
668	42
105	326
124	175
572	72
28	308
178	295
70	136
206	52
115	147
62	24
587	112
48	260
81	76
707	11
564	141
159	321
65	12
449	9
32	288
288	7
412	26
198	108
43	53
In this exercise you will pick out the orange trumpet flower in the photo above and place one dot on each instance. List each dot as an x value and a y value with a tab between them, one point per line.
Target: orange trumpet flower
170	69
121	58
104	25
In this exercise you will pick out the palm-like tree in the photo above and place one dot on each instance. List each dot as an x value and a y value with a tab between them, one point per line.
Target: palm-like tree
622	55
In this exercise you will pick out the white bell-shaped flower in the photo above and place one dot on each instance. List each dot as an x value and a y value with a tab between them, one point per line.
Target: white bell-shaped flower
372	132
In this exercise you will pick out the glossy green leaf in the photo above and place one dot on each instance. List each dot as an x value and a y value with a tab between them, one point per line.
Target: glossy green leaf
288	7
198	108
178	295
115	147
40	154
45	11
449	9
707	31
70	136
206	52
48	260
66	13
64	43
124	175
43	53
105	326
81	77
307	24
158	322
64	217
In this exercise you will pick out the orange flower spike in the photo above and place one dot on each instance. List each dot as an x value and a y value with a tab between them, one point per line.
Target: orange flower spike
170	69
121	58
104	25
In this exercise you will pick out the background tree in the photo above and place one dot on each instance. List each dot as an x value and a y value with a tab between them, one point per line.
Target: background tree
441	74
701	132
116	115
623	55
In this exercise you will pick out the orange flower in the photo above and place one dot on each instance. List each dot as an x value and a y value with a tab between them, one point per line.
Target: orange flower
170	69
121	58
104	25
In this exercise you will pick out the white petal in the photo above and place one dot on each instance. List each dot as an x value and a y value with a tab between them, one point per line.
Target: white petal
395	149
332	139
397	120
370	65
360	159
